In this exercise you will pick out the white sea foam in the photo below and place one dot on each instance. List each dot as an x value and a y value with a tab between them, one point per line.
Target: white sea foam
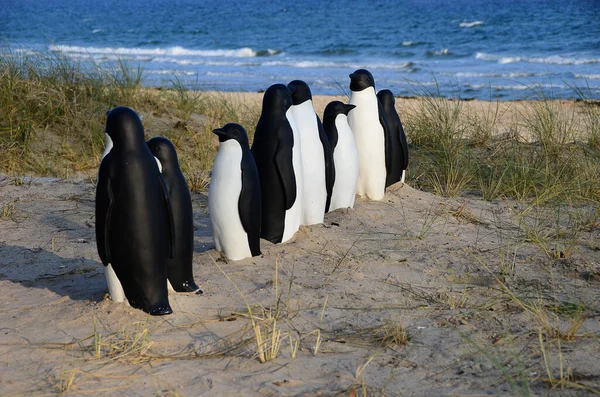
471	24
409	43
171	72
245	52
587	76
511	75
518	87
331	64
551	60
97	30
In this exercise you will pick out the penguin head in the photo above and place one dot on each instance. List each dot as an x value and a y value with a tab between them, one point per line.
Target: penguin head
386	97
361	79
164	150
336	107
124	127
300	92
232	131
277	98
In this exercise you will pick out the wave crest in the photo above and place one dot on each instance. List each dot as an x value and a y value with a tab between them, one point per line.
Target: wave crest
470	24
244	52
551	60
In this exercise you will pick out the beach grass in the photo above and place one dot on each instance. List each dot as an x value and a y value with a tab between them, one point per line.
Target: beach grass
52	113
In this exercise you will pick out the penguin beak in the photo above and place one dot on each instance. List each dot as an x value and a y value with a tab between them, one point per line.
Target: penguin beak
348	108
219	132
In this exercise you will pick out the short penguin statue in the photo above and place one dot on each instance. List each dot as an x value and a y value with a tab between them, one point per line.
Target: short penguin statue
234	199
179	268
316	155
399	146
134	220
273	150
371	134
345	155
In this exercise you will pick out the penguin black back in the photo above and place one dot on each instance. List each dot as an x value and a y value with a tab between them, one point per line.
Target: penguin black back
133	215
399	144
272	150
179	269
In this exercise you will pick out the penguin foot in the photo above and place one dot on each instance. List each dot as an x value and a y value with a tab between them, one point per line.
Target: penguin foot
160	310
190	287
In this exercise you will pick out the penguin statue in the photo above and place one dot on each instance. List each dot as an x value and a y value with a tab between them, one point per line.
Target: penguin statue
399	146
316	155
234	195
345	155
371	134
273	151
134	221
179	269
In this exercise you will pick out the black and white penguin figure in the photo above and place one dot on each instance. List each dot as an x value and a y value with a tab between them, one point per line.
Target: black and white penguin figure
316	155
134	221
179	269
371	134
234	200
272	148
399	146
345	155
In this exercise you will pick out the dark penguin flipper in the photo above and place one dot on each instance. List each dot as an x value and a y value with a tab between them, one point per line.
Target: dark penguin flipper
404	144
169	214
389	155
287	177
104	205
249	204
329	166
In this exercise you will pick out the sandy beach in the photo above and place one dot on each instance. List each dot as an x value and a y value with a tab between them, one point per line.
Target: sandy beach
415	295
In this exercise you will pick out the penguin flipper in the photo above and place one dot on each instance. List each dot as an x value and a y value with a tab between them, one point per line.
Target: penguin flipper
249	204
169	213
285	170
387	133
404	144
329	166
104	206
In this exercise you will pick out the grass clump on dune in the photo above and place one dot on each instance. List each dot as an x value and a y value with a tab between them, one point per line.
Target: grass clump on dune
53	110
546	152
52	114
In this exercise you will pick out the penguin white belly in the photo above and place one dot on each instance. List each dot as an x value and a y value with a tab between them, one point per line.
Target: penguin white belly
293	216
370	144
223	197
313	164
115	289
345	159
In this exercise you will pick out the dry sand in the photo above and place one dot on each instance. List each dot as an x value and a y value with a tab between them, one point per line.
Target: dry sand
427	263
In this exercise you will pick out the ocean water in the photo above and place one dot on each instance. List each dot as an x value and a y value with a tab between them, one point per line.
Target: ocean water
482	49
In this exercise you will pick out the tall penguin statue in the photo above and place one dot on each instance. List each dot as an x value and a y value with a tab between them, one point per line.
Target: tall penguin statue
234	195
179	268
399	146
345	155
316	155
134	221
371	134
273	150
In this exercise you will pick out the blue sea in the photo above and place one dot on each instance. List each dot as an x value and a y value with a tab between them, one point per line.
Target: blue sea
503	49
